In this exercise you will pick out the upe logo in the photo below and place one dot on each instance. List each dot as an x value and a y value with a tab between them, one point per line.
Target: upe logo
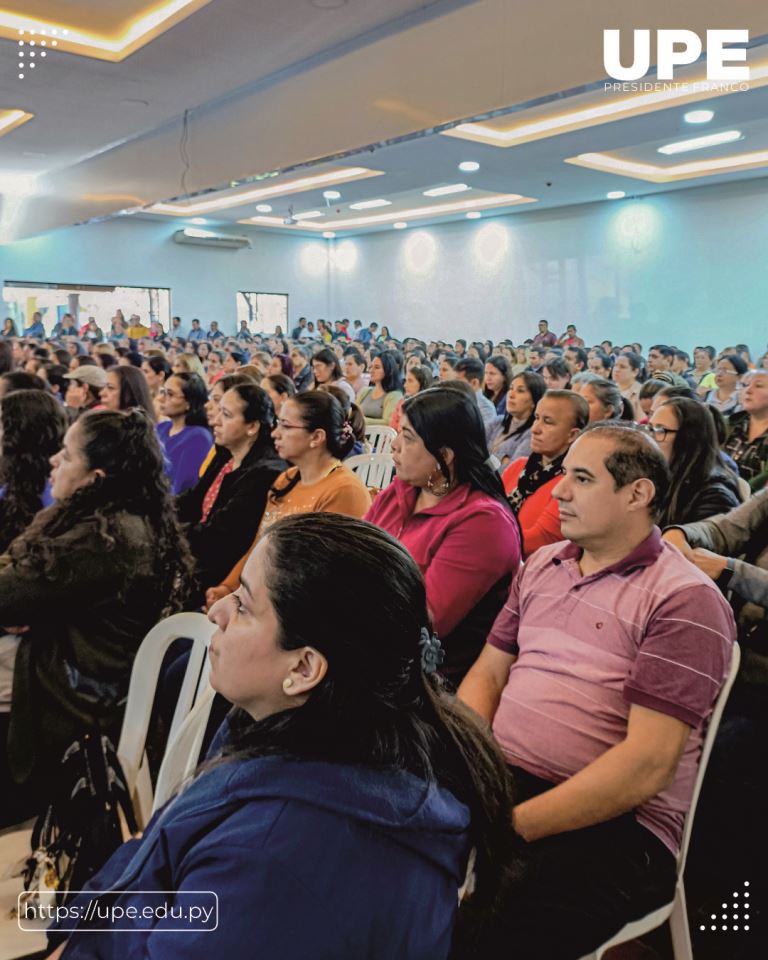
677	48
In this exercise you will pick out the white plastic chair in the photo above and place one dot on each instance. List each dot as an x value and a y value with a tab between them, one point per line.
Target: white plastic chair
676	911
379	439
179	760
374	469
144	678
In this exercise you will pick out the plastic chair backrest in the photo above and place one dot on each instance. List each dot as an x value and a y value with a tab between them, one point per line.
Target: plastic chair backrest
380	438
182	754
141	692
706	750
374	469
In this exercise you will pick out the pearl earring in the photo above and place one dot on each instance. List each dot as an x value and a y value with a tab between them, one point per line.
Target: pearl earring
287	683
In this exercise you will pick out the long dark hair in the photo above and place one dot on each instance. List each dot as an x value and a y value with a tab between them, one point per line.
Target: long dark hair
196	394
125	447
393	377
536	386
134	390
694	456
257	408
320	411
444	417
33	429
502	365
326	355
375	707
6	356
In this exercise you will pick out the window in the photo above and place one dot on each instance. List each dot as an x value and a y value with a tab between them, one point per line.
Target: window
263	312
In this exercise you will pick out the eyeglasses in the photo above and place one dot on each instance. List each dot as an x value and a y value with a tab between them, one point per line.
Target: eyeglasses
733	373
657	431
282	425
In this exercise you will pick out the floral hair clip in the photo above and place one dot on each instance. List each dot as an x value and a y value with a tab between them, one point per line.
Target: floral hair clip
346	431
432	653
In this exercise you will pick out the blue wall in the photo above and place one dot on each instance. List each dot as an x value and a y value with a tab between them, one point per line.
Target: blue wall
686	267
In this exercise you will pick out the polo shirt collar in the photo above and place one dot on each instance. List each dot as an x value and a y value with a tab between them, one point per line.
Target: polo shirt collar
643	555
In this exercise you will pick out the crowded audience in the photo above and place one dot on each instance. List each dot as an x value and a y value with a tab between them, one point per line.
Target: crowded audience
362	630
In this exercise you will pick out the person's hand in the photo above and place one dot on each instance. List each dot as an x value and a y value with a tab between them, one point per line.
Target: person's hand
57	952
710	563
212	594
677	538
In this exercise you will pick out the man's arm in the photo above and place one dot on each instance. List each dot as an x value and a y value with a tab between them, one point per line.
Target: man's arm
624	777
482	687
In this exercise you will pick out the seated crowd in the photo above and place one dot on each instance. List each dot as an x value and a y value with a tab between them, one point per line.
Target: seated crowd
492	677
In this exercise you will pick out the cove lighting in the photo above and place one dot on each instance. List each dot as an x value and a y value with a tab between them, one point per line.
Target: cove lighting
329	234
279	189
400	225
474	215
469	166
445	191
198	220
264	207
698	116
331	195
309	215
615	195
700	143
370	204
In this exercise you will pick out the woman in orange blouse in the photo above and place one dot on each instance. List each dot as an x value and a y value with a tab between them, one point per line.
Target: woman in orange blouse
529	481
312	434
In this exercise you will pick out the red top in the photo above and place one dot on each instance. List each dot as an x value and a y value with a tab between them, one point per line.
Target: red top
539	516
463	545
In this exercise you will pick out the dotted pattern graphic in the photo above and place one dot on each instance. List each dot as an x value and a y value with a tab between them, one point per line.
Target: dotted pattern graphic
739	917
34	46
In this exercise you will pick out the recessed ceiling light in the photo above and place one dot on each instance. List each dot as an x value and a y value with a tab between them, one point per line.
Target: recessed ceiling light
198	220
264	208
444	191
474	215
400	225
331	195
329	234
698	116
615	194
370	204
699	143
469	166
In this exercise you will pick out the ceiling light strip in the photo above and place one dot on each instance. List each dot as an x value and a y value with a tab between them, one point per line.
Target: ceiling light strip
436	210
345	175
681	171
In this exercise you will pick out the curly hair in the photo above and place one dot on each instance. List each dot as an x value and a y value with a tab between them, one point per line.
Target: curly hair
124	446
33	429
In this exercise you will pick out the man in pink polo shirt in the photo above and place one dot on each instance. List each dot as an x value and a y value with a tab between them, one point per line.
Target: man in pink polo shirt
598	677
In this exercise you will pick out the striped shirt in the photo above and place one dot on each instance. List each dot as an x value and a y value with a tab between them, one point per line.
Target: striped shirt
650	630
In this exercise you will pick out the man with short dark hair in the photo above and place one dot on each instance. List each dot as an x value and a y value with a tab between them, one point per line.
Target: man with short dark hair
473	371
660	357
214	333
244	334
570	338
544	338
536	359
577	359
599	677
197	332
300	329
175	325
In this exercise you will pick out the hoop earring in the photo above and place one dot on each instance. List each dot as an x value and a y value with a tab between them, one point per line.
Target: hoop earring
439	487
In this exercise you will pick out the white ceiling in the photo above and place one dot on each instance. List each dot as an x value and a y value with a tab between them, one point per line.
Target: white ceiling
282	85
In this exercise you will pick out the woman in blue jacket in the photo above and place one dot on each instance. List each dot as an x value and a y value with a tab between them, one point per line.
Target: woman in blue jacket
337	817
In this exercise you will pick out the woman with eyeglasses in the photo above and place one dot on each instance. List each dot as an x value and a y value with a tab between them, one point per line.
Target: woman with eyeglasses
311	434
701	486
725	396
184	436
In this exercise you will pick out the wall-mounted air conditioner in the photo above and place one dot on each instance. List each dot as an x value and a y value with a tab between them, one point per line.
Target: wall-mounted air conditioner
207	238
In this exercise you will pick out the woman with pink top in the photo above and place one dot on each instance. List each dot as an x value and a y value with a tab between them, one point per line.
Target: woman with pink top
447	507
